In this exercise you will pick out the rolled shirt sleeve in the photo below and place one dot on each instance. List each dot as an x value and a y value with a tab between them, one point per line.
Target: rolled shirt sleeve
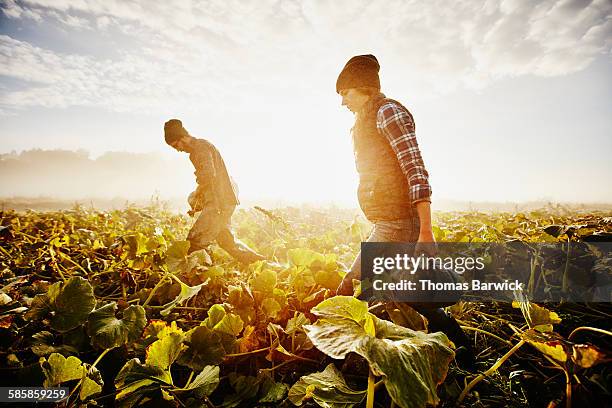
397	125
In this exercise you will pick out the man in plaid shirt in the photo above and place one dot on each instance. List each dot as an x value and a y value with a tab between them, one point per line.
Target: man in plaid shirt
394	191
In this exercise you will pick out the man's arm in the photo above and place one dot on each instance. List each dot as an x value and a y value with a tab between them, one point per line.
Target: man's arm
397	125
205	176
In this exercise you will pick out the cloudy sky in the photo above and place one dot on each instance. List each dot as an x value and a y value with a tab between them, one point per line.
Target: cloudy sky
512	99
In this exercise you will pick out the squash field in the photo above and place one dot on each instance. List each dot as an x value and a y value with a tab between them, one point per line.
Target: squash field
110	305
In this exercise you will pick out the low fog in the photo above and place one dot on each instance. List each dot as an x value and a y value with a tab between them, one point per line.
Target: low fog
74	175
57	179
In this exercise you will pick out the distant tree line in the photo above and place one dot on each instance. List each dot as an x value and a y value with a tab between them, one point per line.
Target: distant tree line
70	174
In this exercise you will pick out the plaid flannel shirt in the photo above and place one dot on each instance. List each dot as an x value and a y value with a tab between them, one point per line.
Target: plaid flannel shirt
397	125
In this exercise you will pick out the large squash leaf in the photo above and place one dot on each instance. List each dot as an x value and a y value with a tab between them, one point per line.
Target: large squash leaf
411	363
70	303
205	348
327	388
59	369
106	331
163	352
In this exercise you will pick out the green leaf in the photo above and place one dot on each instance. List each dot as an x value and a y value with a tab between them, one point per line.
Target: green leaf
549	343
242	302
411	363
411	367
70	302
536	316
271	308
186	293
137	379
59	369
91	387
205	347
106	331
206	382
304	257
327	388
216	313
230	324
138	244
163	352
176	257
42	345
160	328
271	391
296	323
343	307
264	281
328	279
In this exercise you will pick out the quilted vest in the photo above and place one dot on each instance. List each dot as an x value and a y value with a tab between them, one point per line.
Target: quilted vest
383	189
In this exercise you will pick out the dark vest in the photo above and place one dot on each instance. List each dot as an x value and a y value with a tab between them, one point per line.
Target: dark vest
383	189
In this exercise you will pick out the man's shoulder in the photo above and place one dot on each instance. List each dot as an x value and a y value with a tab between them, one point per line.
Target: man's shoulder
390	108
202	144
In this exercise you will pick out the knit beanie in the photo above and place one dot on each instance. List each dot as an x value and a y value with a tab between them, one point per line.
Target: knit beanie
360	71
173	131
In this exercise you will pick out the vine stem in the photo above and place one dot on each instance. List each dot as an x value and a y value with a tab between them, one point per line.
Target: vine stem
248	352
100	357
163	278
568	389
476	329
594	329
490	371
371	383
189	379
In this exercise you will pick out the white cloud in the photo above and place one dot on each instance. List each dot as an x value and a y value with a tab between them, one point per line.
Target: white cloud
220	48
12	10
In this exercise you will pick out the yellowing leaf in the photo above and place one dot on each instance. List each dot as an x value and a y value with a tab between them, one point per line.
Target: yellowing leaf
327	388
163	352
271	308
550	344
411	363
537	317
586	355
59	369
230	324
186	293
89	387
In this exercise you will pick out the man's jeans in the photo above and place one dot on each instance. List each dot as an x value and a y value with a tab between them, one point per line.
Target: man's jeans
388	231
214	225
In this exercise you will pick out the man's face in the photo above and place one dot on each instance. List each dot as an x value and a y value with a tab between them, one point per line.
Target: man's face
353	99
180	144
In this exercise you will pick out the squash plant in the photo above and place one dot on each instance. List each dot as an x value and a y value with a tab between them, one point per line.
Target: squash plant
411	363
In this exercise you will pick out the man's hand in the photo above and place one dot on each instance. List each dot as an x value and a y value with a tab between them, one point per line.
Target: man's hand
346	286
426	244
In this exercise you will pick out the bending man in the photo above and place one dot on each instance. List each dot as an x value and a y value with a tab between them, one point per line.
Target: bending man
215	195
